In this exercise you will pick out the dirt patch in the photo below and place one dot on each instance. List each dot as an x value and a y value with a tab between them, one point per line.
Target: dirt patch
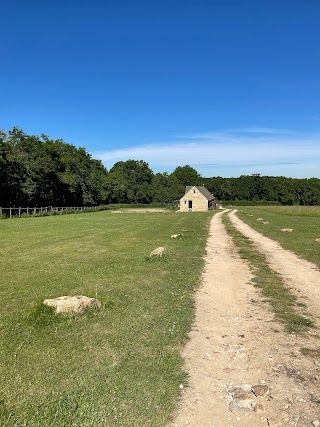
236	349
141	210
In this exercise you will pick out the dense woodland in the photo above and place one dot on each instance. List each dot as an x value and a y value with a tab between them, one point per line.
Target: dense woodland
39	171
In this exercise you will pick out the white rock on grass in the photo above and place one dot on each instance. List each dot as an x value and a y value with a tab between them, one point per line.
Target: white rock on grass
260	219
157	252
317	240
72	304
287	230
265	222
175	236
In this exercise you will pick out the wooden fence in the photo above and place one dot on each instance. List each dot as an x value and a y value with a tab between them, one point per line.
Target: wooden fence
18	212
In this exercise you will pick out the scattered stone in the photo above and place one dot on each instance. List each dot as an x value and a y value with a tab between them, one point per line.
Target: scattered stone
315	423
260	389
259	407
175	236
260	219
265	222
242	398
243	405
241	392
72	304
287	230
158	252
317	240
181	386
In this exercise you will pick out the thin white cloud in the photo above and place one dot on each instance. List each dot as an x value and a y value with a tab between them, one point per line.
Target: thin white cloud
264	130
230	154
260	130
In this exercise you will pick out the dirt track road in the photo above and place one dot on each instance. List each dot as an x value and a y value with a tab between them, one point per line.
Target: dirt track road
236	344
300	275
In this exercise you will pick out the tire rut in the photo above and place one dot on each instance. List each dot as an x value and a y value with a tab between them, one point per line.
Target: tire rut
235	343
301	276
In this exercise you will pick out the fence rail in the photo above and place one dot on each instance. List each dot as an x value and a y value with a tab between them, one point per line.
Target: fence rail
34	211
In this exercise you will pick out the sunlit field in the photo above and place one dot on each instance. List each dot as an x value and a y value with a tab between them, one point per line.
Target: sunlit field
118	366
304	220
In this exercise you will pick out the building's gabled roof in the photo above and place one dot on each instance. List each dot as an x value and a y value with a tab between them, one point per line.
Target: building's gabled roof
206	193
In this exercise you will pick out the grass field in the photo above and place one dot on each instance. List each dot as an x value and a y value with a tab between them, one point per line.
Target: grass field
304	220
119	366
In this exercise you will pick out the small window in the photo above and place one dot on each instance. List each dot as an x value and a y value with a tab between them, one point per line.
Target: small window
194	191
185	202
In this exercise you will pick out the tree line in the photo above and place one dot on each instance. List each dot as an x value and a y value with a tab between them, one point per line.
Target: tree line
39	171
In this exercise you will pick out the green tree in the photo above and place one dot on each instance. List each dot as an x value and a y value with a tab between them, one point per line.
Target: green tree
186	175
130	182
38	171
166	188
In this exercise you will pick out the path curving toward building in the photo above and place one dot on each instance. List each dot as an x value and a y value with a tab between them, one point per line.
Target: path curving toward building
302	276
235	343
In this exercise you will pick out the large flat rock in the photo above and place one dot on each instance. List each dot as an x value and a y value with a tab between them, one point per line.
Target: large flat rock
72	304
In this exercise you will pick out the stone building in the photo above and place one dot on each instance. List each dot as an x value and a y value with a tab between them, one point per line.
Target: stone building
197	199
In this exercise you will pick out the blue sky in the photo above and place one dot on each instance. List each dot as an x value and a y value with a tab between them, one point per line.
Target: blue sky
230	87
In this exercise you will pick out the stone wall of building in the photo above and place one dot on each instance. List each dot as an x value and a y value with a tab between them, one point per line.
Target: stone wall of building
199	202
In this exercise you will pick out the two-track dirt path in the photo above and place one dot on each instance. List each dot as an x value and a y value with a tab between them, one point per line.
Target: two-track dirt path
235	343
300	275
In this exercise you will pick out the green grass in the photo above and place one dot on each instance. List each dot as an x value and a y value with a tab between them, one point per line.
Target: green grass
118	366
283	302
305	221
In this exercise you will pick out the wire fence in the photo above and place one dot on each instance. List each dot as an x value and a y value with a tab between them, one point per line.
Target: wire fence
46	210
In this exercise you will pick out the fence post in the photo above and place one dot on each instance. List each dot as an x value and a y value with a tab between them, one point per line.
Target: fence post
27	211
0	213
10	212
19	212
34	211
